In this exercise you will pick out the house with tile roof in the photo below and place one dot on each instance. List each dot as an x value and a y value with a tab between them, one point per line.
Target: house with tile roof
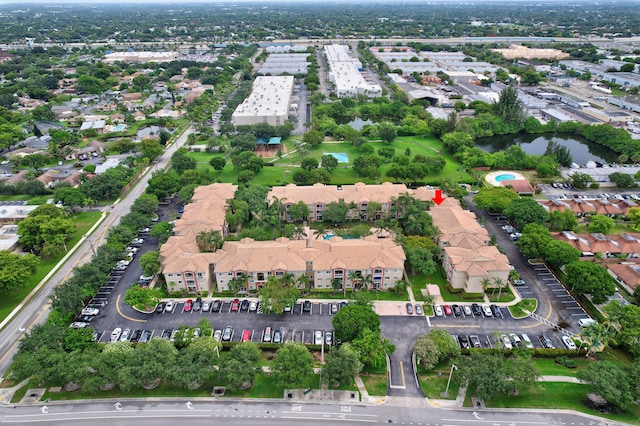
583	207
467	257
607	245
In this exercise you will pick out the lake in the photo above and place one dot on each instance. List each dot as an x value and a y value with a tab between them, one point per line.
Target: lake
358	123
581	150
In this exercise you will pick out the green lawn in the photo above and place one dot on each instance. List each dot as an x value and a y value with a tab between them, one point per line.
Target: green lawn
528	304
280	173
434	382
561	396
9	300
375	380
505	296
372	295
547	366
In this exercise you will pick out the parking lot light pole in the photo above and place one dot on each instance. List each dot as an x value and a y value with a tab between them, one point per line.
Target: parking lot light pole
453	366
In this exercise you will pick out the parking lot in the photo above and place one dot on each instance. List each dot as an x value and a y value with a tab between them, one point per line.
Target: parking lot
495	339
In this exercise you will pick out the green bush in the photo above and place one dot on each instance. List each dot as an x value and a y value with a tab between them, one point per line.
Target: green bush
204	293
566	361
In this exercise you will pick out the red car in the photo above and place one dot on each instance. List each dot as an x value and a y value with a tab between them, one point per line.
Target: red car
188	305
447	310
235	305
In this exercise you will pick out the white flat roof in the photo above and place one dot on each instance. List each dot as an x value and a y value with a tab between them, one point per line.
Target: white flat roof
270	96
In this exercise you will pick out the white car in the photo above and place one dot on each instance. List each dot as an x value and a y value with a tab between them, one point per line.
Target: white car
506	342
115	334
253	306
569	343
90	311
437	309
170	306
125	334
486	309
527	341
318	337
217	335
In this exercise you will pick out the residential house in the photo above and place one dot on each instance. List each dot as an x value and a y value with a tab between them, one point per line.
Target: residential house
582	207
41	143
139	116
98	126
625	272
129	97
606	245
14	214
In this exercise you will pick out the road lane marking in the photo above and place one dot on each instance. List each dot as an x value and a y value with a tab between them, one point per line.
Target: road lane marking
123	315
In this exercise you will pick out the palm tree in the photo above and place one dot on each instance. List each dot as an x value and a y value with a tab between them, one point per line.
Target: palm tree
337	284
287	279
486	282
413	226
367	282
209	241
321	231
303	282
298	232
500	284
353	206
354	277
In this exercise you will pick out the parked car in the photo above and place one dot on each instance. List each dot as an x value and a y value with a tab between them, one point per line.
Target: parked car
125	335
226	334
188	305
90	311
526	341
464	341
467	310
267	335
475	341
206	306
419	309
409	309
495	310
546	342
328	338
170	306
456	310
506	342
515	339
216	305
486	310
174	334
519	282
437	310
160	307
244	306
197	305
306	306
135	336
253	306
447	310
166	333
217	335
235	305
569	343
197	332
79	324
115	334
318	337
334	308
475	308
277	336
145	336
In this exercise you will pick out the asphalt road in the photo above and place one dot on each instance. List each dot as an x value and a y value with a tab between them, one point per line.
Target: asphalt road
169	412
36	309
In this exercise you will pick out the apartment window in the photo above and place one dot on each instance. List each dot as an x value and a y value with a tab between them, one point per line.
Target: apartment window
279	274
170	275
260	276
200	275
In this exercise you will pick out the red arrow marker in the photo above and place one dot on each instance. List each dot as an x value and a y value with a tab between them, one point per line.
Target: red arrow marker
438	199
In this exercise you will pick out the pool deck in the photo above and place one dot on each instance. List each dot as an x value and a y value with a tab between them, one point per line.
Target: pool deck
491	177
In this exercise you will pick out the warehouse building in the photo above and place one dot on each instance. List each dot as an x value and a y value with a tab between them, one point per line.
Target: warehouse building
268	102
344	73
285	63
140	57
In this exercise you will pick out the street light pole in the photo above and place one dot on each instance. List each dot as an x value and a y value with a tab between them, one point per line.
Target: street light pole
453	366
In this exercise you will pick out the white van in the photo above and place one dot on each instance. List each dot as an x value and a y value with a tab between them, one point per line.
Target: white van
586	322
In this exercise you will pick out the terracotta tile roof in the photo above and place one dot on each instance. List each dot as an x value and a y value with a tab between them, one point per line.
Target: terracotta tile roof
606	207
628	272
479	262
456	224
207	210
599	243
520	186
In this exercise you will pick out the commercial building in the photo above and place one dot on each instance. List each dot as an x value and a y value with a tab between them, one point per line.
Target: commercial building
344	73
285	63
518	51
268	102
140	57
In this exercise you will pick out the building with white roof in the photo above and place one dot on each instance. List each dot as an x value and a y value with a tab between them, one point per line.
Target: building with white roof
140	57
268	102
344	73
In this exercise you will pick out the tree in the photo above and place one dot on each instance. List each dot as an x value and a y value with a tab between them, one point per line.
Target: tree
626	319
426	351
372	347
590	278
15	269
196	362
150	149
563	221
240	367
349	322
293	365
387	152
422	254
612	382
622	180
209	241
600	223
509	108
457	141
46	227
313	137
150	263
180	161
534	240
335	212
559	253
218	163
143	298
299	211
634	216
309	163
342	365
495	200
387	132
162	231
151	362
329	162
524	211
276	294
146	204
580	180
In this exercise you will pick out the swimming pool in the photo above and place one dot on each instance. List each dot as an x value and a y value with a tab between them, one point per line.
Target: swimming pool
119	127
504	176
340	156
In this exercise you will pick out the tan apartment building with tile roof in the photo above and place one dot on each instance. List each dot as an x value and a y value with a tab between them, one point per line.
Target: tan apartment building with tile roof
467	257
579	207
317	197
185	267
